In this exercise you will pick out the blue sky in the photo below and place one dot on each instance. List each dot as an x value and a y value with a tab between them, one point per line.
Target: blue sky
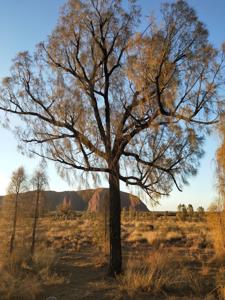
24	23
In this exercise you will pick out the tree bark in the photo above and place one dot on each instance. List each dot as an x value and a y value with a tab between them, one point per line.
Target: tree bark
115	260
35	223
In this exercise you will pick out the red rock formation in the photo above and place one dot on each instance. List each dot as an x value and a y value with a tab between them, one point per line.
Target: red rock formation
98	201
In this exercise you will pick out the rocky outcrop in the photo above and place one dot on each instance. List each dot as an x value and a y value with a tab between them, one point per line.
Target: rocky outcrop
91	199
100	199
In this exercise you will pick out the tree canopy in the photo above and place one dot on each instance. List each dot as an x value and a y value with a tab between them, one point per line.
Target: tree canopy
97	89
220	161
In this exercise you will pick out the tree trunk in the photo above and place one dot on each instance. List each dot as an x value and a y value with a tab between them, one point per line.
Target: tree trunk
11	247
35	223
115	261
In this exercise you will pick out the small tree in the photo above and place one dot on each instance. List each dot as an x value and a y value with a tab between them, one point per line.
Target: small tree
190	211
201	212
65	207
182	212
39	182
16	186
132	213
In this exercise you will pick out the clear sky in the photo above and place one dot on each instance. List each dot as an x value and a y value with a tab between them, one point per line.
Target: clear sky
24	23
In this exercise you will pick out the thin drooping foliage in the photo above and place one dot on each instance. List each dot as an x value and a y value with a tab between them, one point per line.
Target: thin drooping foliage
100	97
217	220
220	161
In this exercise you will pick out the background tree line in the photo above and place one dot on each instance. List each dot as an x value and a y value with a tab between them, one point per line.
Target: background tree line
20	210
187	212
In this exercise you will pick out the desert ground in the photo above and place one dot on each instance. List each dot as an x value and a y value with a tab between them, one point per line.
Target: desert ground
163	258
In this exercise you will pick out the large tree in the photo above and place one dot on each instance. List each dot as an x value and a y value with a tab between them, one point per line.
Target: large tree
100	97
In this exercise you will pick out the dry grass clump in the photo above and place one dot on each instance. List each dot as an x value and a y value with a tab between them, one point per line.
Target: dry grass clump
24	277
17	280
172	236
152	238
19	286
143	275
159	274
220	283
43	263
42	259
169	226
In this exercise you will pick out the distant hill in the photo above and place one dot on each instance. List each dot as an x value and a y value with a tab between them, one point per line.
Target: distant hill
90	199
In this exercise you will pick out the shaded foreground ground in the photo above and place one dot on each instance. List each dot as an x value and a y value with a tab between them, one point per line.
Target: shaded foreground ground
87	280
164	258
180	258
